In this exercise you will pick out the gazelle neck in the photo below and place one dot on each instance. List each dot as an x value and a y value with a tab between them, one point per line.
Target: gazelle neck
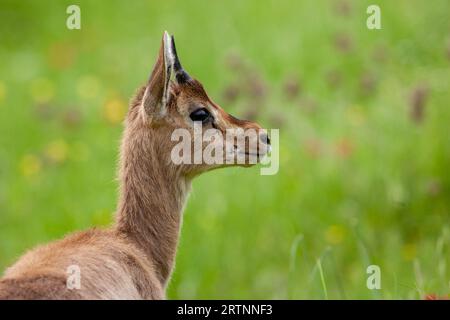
151	201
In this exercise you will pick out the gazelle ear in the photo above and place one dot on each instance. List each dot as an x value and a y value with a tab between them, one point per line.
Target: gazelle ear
181	76
157	91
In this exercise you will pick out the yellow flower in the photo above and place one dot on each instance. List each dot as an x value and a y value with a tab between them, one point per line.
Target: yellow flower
30	165
56	151
409	251
335	234
2	92
42	90
114	110
88	87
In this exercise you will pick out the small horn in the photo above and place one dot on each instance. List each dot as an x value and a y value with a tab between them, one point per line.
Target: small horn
180	75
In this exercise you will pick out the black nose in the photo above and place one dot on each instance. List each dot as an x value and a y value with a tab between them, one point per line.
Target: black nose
264	138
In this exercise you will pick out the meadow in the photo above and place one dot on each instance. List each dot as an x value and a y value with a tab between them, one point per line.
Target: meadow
364	124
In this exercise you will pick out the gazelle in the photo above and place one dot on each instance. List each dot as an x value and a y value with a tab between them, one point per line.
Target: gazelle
133	259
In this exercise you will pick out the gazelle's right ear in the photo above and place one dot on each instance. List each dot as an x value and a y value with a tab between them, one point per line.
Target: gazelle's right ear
157	90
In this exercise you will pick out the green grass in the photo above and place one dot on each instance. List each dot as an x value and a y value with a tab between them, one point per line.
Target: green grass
360	182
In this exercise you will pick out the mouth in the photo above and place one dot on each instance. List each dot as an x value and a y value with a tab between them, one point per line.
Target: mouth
251	154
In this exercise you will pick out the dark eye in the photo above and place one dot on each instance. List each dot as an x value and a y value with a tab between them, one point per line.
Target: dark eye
201	114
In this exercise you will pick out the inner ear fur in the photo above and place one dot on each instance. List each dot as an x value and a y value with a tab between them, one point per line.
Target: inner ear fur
157	89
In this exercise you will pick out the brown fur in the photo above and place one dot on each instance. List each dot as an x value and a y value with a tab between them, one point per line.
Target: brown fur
134	258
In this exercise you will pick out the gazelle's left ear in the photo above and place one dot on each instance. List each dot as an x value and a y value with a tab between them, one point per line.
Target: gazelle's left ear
157	92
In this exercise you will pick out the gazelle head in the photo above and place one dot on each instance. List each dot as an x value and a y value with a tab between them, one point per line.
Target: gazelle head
172	101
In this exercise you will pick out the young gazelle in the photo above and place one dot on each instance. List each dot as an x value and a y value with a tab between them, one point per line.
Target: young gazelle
134	258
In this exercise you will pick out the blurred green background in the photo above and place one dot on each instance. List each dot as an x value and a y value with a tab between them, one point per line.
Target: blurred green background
364	124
